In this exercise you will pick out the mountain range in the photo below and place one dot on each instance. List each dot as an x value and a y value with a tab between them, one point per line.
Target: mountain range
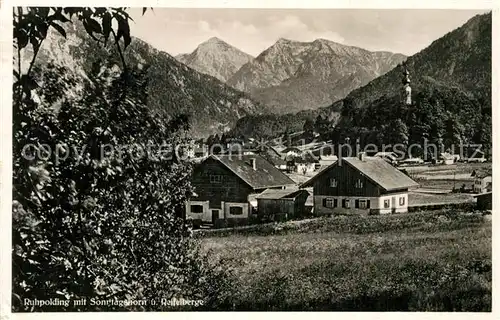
288	77
453	71
292	75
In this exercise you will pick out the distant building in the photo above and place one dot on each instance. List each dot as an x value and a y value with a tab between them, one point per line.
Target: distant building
290	151
303	165
224	185
412	161
360	185
482	181
447	158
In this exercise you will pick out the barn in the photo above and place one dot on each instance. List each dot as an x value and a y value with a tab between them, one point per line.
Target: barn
225	184
274	204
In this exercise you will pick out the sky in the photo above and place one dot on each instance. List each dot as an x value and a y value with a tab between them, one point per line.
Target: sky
406	31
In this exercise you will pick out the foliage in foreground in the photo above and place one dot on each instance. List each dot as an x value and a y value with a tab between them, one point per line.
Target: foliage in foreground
87	223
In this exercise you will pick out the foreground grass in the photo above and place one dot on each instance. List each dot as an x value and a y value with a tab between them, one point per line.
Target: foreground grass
423	261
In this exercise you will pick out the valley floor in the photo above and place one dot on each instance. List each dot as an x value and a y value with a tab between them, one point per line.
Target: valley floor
433	261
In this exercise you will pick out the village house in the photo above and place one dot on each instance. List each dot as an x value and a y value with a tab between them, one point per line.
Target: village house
446	158
360	185
274	204
224	184
290	152
305	164
482	181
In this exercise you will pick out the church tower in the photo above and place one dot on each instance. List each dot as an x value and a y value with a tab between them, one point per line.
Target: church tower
406	89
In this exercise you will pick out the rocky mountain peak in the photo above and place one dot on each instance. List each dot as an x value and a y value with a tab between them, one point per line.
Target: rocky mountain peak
216	58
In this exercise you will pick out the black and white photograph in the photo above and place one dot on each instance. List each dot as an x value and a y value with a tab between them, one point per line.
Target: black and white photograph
250	159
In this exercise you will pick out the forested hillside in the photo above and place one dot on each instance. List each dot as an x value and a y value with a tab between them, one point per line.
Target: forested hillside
173	88
451	92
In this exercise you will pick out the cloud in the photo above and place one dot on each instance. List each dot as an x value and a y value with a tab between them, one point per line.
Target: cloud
292	27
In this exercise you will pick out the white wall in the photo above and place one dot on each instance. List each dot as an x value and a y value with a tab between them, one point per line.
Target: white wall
228	205
309	167
376	203
206	215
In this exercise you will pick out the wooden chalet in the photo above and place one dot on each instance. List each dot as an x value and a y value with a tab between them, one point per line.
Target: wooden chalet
224	184
360	185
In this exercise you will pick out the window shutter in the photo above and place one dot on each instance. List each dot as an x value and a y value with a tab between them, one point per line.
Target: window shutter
335	203
368	204
324	202
356	203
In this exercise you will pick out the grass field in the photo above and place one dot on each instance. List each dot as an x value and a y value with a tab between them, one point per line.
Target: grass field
434	261
415	198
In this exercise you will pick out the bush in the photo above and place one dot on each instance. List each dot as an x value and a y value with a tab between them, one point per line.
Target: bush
88	224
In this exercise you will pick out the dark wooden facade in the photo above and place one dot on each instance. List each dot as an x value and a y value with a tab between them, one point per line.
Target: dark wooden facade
282	208
231	188
347	181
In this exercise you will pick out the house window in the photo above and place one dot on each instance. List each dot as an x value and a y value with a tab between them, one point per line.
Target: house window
235	211
402	201
387	203
359	184
364	204
333	183
196	208
346	203
330	203
215	178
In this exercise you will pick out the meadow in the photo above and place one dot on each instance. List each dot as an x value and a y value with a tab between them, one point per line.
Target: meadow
432	261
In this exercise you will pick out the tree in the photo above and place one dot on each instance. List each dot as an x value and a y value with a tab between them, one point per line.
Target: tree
88	223
308	126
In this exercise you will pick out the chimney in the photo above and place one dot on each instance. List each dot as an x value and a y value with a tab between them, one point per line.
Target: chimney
253	163
361	156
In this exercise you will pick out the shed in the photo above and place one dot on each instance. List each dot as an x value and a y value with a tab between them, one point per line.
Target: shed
484	201
275	204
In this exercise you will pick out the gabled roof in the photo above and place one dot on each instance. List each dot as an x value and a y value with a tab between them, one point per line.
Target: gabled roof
289	193
266	175
374	168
